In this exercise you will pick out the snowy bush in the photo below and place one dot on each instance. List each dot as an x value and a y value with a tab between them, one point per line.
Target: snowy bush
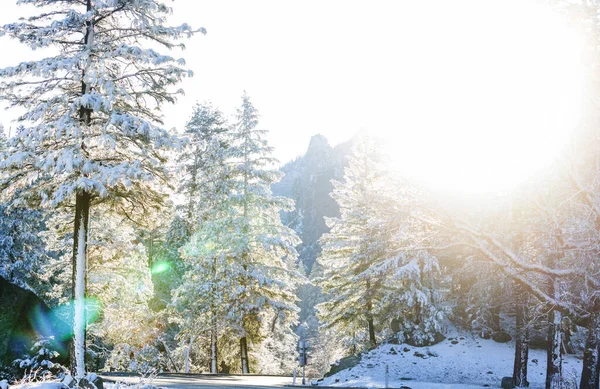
22	249
5	373
41	365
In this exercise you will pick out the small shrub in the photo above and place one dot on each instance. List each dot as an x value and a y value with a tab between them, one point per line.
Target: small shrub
41	365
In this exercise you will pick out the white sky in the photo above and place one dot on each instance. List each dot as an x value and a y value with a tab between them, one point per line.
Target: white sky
439	79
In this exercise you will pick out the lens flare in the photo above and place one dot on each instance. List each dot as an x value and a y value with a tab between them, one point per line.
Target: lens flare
93	309
58	322
160	267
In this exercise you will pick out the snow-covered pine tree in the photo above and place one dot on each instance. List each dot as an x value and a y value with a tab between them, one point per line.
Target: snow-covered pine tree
406	254
93	129
240	259
372	270
261	248
206	188
22	248
202	160
353	296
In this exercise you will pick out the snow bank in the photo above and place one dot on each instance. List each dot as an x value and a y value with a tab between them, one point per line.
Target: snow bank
41	385
460	359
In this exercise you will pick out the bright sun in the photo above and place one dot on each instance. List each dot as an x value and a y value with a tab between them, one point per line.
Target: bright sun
489	96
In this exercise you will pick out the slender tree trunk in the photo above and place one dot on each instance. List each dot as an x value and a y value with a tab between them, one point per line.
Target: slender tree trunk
522	341
598	364
566	344
495	312
244	355
187	355
554	351
170	356
80	235
370	324
372	332
246	231
554	347
591	359
214	367
213	347
598	361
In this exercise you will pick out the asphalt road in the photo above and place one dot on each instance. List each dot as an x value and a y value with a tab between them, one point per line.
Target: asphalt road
207	381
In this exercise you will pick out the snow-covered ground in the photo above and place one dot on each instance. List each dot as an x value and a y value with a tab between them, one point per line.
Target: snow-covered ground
40	385
470	363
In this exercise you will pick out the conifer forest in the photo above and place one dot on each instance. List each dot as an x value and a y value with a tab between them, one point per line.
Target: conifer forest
410	191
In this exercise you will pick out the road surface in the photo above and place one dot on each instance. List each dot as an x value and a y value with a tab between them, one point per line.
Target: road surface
207	381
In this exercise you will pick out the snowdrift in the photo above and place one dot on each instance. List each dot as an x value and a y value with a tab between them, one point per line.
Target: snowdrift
460	361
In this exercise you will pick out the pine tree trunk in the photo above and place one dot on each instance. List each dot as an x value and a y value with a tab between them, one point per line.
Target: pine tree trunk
244	355
80	235
213	348
372	332
591	360
522	342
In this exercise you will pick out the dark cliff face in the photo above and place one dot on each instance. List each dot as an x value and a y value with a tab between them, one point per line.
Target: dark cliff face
23	318
307	181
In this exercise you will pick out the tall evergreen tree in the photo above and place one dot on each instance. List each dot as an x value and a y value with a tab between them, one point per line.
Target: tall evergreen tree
372	271
95	130
202	160
263	248
353	296
206	188
241	258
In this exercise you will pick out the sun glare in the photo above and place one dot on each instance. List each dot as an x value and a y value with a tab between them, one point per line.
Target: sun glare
490	96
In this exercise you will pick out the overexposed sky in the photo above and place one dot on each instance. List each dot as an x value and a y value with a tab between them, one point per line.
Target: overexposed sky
453	86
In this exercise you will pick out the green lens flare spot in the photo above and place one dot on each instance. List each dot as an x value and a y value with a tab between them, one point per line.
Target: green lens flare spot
160	267
60	319
93	308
